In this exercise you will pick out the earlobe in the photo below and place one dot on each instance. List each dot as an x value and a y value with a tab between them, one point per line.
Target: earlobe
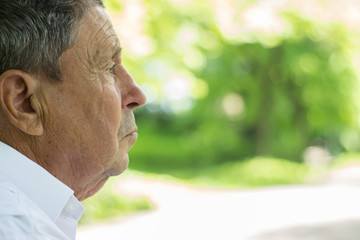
19	102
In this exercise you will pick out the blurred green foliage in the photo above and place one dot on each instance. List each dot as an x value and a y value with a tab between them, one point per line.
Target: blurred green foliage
250	173
216	99
346	160
218	103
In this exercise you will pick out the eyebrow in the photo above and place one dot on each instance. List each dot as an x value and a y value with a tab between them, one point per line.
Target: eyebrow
100	58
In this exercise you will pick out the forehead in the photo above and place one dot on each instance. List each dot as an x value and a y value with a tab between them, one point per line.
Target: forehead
96	36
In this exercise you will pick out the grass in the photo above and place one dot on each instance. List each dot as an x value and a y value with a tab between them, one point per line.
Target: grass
257	172
346	159
107	203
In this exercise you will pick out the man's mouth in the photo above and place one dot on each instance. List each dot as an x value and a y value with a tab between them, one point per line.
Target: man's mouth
132	133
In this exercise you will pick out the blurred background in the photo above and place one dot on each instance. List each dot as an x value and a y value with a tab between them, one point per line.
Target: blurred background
242	94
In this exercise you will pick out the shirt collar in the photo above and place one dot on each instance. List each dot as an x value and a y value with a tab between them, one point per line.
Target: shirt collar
46	191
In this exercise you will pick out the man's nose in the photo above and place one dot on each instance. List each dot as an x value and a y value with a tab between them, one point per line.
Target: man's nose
134	98
131	94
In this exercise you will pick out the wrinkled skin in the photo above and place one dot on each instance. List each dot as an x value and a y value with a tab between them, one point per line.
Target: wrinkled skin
85	123
91	118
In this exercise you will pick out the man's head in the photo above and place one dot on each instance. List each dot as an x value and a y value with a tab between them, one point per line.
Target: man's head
66	99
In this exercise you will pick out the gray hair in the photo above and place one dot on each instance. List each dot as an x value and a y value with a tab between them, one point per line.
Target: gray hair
35	33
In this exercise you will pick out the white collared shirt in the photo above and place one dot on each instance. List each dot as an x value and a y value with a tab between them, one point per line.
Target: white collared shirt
33	203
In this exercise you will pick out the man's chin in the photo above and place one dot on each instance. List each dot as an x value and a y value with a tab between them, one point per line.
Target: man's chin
119	167
91	190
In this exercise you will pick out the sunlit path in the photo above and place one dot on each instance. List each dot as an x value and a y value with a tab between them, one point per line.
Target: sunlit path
320	212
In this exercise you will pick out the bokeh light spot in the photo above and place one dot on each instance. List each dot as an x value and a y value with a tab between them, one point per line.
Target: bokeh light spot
233	105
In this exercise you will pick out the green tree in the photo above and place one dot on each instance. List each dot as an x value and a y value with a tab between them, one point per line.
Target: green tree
243	98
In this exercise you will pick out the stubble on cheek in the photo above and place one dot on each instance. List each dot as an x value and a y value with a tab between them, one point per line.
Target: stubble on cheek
127	124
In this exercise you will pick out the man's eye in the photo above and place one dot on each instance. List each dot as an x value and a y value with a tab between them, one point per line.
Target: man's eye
112	69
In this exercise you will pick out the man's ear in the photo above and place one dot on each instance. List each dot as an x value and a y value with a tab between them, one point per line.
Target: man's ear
19	102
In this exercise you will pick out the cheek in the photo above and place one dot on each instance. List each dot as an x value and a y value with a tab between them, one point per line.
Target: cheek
112	108
104	130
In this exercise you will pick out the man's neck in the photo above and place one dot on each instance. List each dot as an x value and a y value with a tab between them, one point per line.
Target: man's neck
41	151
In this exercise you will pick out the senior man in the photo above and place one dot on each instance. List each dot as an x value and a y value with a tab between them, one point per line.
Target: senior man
66	121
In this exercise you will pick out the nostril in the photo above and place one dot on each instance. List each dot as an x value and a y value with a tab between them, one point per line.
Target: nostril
132	105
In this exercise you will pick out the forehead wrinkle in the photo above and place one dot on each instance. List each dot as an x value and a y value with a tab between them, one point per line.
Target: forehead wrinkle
96	44
97	40
107	43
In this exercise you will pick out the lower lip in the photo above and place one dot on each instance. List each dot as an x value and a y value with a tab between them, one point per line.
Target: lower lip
133	134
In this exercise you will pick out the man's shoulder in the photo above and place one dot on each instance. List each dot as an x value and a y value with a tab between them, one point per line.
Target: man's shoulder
14	222
14	202
10	200
20	218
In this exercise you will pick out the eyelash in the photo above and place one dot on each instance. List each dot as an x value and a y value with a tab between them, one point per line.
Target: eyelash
112	69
